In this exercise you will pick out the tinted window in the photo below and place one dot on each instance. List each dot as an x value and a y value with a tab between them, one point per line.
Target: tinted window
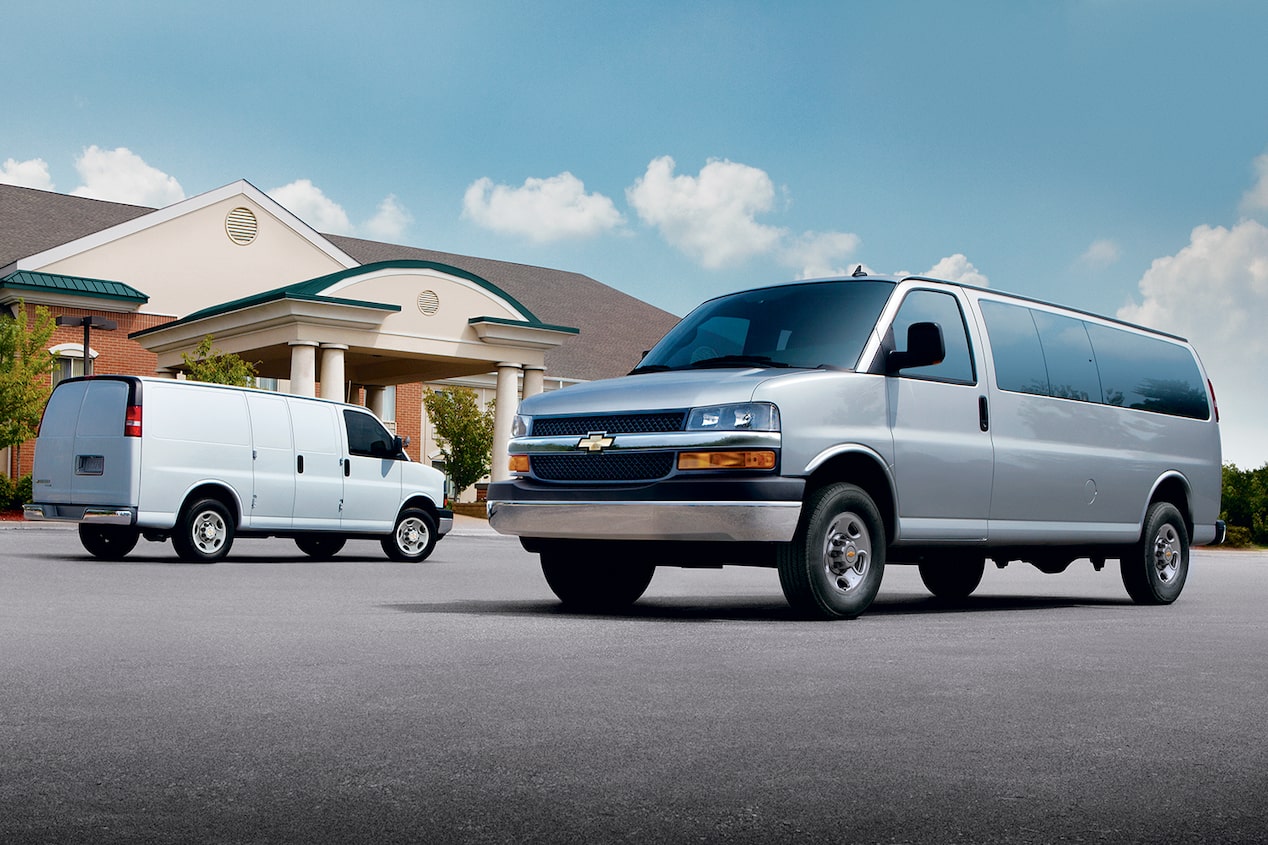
1148	374
1068	354
928	306
367	436
808	325
1015	347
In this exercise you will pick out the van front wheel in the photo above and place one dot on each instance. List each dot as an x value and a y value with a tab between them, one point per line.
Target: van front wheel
108	542
413	538
1155	569
204	532
833	567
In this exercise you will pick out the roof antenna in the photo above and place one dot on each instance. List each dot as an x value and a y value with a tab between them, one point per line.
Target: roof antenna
859	271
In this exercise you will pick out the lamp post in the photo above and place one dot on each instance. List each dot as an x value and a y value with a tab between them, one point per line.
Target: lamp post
89	323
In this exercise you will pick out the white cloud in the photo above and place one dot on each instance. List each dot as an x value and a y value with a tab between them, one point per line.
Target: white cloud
120	175
1215	292
1256	199
958	268
32	173
542	209
307	202
818	254
710	217
1101	253
389	222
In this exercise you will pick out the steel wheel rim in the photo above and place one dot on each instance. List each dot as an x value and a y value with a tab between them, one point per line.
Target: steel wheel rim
411	536
1167	553
847	553
209	532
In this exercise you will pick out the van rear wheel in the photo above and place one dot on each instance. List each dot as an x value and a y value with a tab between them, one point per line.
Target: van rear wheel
204	532
108	542
833	567
592	577
413	538
320	547
953	578
1154	571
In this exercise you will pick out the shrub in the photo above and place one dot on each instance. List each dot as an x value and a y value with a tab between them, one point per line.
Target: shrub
8	493
22	493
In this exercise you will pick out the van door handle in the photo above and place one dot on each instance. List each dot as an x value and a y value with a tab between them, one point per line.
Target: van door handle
983	414
347	467
299	464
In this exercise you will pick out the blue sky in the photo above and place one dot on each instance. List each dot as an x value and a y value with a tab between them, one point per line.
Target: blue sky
1106	154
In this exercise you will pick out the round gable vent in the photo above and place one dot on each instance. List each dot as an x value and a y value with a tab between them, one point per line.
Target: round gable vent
428	302
242	226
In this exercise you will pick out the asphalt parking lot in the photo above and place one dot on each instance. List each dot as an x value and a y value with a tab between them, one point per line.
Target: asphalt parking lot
271	699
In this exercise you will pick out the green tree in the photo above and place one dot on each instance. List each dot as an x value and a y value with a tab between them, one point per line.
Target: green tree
464	432
1245	505
24	368
216	367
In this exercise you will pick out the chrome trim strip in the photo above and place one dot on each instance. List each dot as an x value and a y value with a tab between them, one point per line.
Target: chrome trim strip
659	441
729	521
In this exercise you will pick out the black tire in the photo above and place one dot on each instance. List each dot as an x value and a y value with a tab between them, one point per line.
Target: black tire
108	542
833	567
594	577
320	546
204	532
413	538
1155	570
953	578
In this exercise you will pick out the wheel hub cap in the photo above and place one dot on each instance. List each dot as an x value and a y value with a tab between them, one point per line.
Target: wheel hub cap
847	553
1167	553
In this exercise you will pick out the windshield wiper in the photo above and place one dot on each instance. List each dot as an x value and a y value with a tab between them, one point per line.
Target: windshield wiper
650	368
733	360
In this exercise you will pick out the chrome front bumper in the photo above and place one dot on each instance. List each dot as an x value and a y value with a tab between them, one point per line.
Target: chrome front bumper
700	520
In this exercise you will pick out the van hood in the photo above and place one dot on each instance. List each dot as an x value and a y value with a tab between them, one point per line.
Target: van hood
654	391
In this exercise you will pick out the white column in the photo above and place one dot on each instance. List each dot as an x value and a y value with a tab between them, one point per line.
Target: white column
534	381
374	399
304	367
332	383
503	413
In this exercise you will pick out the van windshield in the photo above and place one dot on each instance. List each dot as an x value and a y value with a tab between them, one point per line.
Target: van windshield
820	325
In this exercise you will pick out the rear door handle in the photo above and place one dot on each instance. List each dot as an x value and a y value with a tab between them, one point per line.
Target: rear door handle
983	414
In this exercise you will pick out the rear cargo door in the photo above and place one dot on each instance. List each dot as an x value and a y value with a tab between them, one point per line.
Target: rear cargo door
81	456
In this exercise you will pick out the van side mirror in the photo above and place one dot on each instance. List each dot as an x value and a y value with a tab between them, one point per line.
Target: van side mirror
925	347
398	444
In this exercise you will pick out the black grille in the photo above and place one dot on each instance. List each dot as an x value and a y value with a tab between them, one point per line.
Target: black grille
603	466
611	423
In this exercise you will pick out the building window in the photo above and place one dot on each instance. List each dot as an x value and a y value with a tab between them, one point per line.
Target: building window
389	403
266	384
69	359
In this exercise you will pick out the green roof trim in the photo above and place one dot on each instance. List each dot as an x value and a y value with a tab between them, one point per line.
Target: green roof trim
502	321
72	286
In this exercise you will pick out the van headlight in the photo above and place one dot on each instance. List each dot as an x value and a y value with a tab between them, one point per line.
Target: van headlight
746	416
521	425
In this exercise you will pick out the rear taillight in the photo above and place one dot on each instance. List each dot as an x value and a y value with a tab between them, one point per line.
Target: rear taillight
132	421
1214	403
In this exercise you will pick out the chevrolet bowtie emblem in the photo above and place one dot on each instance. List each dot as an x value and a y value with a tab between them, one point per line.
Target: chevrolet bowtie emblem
597	441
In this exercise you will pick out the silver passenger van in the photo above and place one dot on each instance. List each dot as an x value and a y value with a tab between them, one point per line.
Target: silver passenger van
129	457
829	427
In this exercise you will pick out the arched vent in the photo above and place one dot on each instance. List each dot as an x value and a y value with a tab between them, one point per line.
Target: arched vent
428	302
242	226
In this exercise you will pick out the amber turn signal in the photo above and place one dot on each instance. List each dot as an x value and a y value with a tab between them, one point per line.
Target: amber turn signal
519	463
726	460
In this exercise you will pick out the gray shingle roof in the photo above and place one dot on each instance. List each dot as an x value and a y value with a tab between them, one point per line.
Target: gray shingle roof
615	328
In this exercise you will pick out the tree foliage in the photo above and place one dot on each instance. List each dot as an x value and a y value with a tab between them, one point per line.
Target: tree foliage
24	367
464	432
1245	507
216	367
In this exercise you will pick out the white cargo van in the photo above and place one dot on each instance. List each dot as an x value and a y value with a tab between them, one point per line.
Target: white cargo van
129	457
828	427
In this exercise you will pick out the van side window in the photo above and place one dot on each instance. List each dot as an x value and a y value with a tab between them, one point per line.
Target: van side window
1068	352
367	436
930	306
1149	374
1015	346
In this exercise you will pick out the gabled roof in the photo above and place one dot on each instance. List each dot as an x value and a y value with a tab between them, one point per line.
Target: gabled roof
615	328
72	285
